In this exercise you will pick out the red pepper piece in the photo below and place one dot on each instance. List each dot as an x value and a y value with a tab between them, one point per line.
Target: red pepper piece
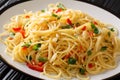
10	38
69	21
24	48
38	68
90	65
40	64
67	56
27	16
58	10
95	23
17	29
90	33
35	67
84	28
22	32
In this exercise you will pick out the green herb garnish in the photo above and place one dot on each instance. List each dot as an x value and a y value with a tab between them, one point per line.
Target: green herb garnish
112	29
36	46
60	5
43	10
54	15
89	52
12	34
109	34
71	60
66	27
82	71
103	48
42	59
96	31
26	45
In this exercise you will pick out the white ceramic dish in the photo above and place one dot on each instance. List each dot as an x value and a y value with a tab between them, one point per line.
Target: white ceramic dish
36	5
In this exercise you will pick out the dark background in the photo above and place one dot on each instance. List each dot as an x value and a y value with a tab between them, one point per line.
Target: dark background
9	73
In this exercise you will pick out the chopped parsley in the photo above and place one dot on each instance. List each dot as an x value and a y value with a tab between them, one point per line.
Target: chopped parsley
71	60
36	46
54	15
66	27
12	34
43	10
82	71
112	29
103	48
42	59
89	52
95	29
61	6
109	34
26	45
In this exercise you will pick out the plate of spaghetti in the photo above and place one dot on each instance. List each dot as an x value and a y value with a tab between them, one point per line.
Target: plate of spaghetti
65	40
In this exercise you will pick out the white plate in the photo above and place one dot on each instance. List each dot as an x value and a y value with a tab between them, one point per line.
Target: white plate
36	5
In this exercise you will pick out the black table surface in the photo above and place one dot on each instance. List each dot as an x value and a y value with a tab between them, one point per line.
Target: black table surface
9	73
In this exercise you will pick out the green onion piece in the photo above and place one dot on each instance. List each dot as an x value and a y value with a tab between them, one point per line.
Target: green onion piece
12	34
60	5
43	10
112	29
66	27
26	45
109	34
82	71
93	26
89	52
71	60
36	47
96	31
42	59
58	17
103	48
54	15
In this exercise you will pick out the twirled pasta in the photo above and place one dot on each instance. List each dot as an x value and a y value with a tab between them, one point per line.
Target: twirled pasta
61	42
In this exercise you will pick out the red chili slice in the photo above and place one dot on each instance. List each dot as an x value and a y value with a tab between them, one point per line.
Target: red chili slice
95	23
69	21
24	48
58	10
17	29
67	56
22	32
90	33
40	64
27	16
84	28
39	68
35	67
90	65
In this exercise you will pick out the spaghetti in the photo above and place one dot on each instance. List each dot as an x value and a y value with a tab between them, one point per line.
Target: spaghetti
61	42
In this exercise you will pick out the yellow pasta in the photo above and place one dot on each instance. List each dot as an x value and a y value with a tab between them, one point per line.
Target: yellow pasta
61	42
